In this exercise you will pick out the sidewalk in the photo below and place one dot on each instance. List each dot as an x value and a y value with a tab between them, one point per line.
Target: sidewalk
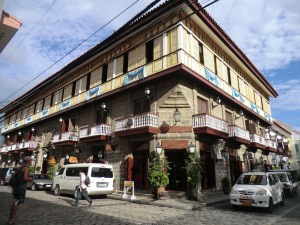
178	203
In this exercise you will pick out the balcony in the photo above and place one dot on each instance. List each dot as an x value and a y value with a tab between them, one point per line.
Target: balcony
66	138
207	124
99	132
237	136
145	123
271	146
257	142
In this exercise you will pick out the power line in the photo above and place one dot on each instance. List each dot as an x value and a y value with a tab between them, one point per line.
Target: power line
35	25
4	101
70	51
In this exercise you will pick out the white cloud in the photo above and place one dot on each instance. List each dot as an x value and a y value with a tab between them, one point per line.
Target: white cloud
267	31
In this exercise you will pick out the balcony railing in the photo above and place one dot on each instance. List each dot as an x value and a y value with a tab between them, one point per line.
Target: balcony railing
270	144
19	146
66	136
137	121
235	131
204	120
98	130
254	138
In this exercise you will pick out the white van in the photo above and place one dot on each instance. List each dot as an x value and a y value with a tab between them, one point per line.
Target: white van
66	179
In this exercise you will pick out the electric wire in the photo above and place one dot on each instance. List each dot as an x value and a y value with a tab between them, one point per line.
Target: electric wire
78	45
149	24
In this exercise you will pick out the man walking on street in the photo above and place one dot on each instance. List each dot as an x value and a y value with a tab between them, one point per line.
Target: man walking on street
81	191
19	185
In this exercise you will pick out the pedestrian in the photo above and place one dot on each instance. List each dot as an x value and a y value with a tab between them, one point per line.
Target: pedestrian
19	190
81	191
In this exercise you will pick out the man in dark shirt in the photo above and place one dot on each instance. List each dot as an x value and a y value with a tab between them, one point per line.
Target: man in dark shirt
19	191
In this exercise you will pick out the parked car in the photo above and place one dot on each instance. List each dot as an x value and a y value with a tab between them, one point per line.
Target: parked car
257	189
287	182
39	182
293	177
5	175
67	179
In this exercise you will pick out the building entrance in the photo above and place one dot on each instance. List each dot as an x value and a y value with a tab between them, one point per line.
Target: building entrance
177	173
208	177
140	169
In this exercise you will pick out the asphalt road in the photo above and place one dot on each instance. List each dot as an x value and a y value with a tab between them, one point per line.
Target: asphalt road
44	208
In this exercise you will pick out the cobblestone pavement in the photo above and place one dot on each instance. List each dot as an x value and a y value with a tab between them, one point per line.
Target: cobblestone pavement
43	208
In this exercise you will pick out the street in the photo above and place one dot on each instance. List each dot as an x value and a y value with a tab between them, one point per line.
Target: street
44	208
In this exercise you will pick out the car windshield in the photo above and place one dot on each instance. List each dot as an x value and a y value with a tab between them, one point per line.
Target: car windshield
252	179
41	176
282	177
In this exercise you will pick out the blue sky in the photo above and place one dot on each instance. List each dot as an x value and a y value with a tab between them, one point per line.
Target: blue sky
267	31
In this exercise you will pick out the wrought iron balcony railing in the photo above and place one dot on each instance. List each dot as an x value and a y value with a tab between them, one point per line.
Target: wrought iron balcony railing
137	121
97	130
204	120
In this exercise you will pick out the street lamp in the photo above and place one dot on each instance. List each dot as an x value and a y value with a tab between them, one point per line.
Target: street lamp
177	115
158	148
192	148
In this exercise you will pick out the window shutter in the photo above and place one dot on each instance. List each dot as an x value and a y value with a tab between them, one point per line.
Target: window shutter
250	126
47	101
110	70
80	85
229	118
96	77
31	110
57	97
119	66
67	92
202	106
158	47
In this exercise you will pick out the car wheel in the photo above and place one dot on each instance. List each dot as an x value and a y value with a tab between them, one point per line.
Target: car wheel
33	187
282	203
270	207
57	190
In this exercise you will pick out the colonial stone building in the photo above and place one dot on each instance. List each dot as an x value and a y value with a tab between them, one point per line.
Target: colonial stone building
169	77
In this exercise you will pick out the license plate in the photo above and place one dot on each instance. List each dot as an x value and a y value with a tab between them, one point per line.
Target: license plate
246	203
48	185
102	184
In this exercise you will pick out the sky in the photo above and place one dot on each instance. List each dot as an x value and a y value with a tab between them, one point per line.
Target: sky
55	32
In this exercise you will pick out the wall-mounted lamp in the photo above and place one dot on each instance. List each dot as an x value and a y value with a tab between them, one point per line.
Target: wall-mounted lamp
8	137
147	92
257	122
32	129
20	133
67	156
218	100
45	154
192	147
177	115
103	106
241	113
158	148
60	119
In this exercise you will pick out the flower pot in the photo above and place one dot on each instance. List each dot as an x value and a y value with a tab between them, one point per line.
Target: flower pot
160	191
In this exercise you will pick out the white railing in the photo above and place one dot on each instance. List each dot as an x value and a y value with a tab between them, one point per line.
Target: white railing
101	129
270	143
66	136
257	139
136	121
235	131
204	120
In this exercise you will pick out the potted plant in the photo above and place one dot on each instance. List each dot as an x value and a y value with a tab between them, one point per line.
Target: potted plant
226	185
158	174
194	169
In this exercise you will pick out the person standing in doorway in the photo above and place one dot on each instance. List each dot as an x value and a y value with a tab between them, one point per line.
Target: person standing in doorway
82	190
19	185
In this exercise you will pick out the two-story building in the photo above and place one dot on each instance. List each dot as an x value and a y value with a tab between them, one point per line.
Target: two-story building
171	78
